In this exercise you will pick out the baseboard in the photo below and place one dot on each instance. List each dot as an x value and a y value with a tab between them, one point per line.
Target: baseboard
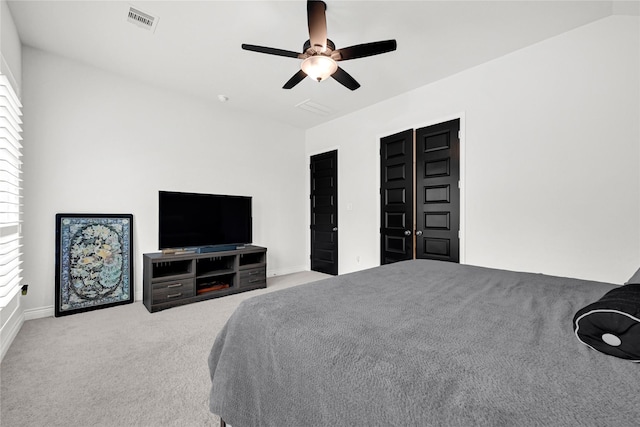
287	270
10	330
15	322
39	313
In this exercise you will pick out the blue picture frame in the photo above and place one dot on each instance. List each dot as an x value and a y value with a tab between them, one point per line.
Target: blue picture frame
94	265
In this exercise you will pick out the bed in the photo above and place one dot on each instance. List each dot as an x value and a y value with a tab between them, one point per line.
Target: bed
420	343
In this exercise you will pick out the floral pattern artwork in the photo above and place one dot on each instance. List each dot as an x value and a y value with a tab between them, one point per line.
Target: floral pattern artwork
93	262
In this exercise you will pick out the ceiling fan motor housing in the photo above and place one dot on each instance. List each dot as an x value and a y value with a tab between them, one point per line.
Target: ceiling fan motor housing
309	50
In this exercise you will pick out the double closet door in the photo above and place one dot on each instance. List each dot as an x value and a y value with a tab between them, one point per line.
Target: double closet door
420	194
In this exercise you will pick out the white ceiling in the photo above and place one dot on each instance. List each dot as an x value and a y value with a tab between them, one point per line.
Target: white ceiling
195	48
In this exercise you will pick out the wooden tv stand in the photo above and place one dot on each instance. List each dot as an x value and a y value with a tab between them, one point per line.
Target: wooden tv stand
176	279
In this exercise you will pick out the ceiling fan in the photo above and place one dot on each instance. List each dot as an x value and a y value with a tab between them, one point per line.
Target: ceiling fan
320	55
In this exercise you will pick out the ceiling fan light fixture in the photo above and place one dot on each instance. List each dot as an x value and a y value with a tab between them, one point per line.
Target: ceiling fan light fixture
319	67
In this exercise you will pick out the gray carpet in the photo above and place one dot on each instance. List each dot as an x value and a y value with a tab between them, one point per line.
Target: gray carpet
120	366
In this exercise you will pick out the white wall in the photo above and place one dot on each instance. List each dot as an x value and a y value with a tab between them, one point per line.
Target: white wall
99	143
12	315
551	154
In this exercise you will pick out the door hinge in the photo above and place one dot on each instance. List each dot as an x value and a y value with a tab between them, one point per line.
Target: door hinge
459	134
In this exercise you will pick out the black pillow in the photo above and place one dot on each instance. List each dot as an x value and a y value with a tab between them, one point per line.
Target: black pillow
611	325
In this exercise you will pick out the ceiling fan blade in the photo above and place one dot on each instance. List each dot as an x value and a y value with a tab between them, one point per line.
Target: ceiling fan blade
270	50
363	50
345	79
317	24
297	78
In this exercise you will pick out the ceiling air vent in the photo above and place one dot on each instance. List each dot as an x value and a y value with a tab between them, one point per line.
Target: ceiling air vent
314	107
142	19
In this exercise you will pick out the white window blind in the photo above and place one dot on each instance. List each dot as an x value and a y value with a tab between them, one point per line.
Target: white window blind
10	192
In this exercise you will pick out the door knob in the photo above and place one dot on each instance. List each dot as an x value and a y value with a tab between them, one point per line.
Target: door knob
407	232
334	229
418	232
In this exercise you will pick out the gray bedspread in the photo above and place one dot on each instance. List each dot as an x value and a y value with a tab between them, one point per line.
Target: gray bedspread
420	343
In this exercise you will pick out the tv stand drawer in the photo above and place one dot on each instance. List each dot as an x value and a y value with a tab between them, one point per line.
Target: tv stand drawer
173	290
253	277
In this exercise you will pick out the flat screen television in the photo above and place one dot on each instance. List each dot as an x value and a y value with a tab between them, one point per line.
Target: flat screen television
194	220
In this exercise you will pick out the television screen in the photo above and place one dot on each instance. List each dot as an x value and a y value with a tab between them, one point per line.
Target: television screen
194	220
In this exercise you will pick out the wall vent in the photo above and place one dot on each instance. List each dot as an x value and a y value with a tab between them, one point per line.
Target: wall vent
142	19
314	107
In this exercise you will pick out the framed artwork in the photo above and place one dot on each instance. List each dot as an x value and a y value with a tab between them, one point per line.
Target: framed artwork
94	266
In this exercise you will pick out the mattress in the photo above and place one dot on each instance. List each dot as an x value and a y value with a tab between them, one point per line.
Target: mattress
419	343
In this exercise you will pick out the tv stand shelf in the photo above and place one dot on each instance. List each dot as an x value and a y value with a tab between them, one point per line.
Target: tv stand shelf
176	279
216	273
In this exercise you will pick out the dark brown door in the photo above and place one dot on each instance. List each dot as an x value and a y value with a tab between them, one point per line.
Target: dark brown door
438	193
396	197
324	212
